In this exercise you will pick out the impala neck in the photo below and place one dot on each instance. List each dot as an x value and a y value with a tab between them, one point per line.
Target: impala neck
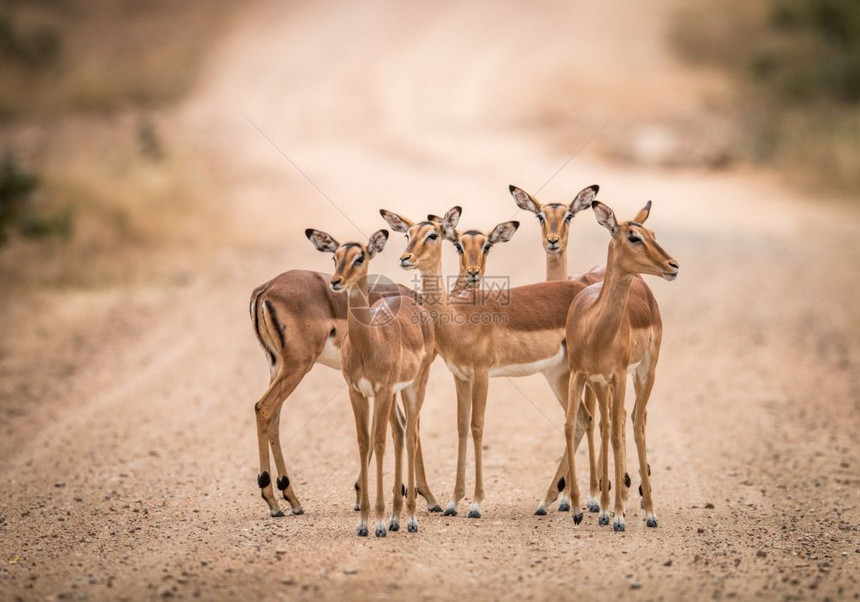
556	266
358	314
461	286
611	304
433	294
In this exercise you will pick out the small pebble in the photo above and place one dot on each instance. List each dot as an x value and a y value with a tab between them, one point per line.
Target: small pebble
635	585
709	506
668	562
350	571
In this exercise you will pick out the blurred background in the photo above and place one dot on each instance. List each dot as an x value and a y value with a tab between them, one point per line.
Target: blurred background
158	160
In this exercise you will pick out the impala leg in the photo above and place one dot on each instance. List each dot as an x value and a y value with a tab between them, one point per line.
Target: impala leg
381	414
361	411
619	386
423	488
464	408
643	383
412	402
561	480
480	384
577	384
602	394
398	430
593	503
267	411
558	487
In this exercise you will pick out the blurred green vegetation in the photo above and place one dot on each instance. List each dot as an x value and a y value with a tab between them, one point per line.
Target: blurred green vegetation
800	61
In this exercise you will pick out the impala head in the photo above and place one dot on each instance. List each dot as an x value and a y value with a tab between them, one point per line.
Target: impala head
634	246
424	247
473	246
351	259
554	218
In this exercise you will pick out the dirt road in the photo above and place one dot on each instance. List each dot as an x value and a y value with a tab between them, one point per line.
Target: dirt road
134	475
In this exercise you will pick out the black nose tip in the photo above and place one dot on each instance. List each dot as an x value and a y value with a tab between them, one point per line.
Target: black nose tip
336	281
674	264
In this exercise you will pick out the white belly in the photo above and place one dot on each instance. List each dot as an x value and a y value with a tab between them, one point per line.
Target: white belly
549	364
330	355
369	389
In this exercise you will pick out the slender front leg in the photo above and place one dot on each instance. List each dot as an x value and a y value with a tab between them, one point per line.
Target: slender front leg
381	413
643	383
420	474
413	407
480	384
360	410
577	384
398	430
619	386
593	503
266	411
558	487
602	394
464	409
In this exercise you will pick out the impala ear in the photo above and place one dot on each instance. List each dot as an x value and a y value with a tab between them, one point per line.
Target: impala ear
434	218
524	200
584	199
503	232
643	213
398	223
450	221
377	242
605	217
321	241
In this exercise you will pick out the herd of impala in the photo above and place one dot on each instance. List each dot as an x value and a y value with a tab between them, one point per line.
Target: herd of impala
584	333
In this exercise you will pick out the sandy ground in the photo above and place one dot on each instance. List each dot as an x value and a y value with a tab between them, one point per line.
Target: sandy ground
132	474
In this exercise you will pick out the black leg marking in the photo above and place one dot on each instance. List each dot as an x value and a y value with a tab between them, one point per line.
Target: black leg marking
263	479
283	482
600	485
640	491
561	483
403	490
649	469
627	480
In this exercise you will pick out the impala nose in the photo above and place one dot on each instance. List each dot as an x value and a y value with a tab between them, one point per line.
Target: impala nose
336	283
674	265
405	259
474	274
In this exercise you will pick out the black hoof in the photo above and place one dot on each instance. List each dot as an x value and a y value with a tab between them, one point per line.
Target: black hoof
393	527
356	507
577	518
540	512
278	514
298	511
380	532
436	508
412	527
449	512
603	521
618	527
474	514
593	508
651	522
362	532
564	507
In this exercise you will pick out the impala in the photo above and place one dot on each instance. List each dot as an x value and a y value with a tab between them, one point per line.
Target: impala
613	328
555	219
524	335
299	321
388	348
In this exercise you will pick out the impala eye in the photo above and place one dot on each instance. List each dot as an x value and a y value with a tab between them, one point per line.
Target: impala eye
541	218
459	248
568	217
358	260
432	236
634	238
487	247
